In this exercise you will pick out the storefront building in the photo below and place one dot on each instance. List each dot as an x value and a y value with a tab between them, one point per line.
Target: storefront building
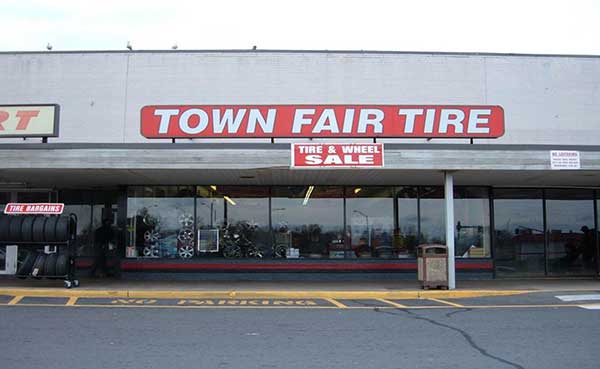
237	162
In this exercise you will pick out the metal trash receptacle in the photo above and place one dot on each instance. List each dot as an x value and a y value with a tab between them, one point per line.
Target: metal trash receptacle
432	266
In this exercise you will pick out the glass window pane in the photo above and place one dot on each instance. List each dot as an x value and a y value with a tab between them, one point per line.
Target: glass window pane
570	224
406	237
161	221
242	216
308	219
433	229
370	223
519	232
472	220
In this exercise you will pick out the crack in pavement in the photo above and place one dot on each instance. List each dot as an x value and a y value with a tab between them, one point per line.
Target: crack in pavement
466	336
463	310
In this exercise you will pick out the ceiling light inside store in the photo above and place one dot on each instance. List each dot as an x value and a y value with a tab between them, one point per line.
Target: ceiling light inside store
357	190
229	200
307	196
214	188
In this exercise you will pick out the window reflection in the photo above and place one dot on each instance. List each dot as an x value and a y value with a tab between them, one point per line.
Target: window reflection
160	222
571	234
308	219
432	222
472	219
519	232
406	237
240	215
370	222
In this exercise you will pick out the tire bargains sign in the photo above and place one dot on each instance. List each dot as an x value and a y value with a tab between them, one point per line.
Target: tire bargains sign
319	155
29	120
34	208
289	121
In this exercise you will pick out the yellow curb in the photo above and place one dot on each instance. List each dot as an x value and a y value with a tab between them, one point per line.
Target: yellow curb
179	294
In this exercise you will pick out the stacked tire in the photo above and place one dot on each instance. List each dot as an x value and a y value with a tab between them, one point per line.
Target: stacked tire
36	228
38	264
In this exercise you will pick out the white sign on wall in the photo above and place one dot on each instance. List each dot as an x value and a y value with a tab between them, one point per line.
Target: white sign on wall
564	160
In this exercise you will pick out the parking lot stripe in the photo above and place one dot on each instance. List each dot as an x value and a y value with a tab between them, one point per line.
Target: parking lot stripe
446	302
337	303
72	301
569	298
15	300
393	303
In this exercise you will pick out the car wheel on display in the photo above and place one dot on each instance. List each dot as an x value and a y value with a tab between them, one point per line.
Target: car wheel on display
38	228
186	235
186	251
232	251
186	220
25	268
62	265
151	252
280	251
151	236
38	265
27	228
68	284
50	265
255	252
76	283
150	221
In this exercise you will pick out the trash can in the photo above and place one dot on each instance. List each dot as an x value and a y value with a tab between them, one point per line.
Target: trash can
432	266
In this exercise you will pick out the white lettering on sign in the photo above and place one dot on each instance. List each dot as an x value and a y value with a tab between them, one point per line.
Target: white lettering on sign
337	155
34	208
565	160
286	121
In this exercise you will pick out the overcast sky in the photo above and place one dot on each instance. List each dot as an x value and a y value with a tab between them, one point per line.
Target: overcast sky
547	27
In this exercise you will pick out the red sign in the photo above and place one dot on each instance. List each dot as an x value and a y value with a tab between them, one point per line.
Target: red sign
401	121
317	155
34	208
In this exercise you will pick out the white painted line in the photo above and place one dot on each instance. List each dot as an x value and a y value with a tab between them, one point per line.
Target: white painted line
591	306
579	297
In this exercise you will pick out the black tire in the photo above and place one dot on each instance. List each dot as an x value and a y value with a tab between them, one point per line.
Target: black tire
27	228
25	268
38	228
38	265
4	227
14	232
50	265
62	229
50	229
62	265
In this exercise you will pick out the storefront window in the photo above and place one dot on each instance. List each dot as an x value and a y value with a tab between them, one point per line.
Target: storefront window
406	237
308	221
432	211
519	232
571	232
472	222
240	215
370	223
161	222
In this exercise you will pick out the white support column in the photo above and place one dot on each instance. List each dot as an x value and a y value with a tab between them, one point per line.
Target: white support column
449	200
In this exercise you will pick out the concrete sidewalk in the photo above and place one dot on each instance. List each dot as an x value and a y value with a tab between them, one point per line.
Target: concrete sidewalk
288	289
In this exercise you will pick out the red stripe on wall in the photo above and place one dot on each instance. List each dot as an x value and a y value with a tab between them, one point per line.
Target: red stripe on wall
287	267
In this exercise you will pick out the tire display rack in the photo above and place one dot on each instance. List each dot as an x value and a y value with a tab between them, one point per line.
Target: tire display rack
37	234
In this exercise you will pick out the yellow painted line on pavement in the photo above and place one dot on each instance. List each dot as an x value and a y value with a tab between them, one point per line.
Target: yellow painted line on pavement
253	294
296	306
337	303
446	302
15	300
392	303
72	301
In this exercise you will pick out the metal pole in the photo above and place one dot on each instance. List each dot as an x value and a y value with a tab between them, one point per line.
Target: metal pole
449	199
